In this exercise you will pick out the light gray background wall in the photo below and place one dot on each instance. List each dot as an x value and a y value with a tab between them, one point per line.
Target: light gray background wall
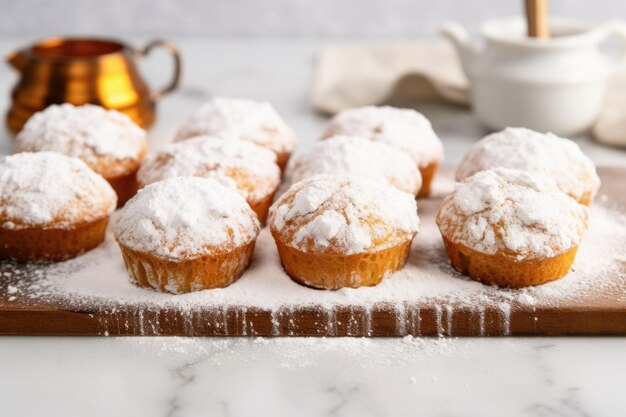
347	19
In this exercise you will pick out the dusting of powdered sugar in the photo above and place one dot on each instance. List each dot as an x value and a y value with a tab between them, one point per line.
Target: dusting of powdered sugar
344	214
347	155
98	281
183	217
518	212
88	132
253	121
404	129
527	150
248	167
50	189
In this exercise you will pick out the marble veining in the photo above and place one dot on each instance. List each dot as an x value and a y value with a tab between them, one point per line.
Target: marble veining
310	377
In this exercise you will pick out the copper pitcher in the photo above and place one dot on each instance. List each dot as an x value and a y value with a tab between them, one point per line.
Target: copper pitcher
85	70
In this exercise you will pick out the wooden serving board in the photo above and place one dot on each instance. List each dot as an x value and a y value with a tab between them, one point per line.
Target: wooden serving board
91	295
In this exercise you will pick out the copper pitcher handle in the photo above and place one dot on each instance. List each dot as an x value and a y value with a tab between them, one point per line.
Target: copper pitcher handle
173	50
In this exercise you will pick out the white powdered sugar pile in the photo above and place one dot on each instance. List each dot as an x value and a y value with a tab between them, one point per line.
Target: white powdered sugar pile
243	165
87	132
184	217
253	121
50	189
347	155
504	210
404	129
344	214
527	150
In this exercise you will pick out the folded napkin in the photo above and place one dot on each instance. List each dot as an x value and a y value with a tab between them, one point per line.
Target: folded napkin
407	73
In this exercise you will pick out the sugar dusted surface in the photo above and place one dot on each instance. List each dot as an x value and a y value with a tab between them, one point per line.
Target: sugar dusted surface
184	217
50	189
545	154
243	165
405	129
249	120
513	212
347	155
99	280
88	132
345	215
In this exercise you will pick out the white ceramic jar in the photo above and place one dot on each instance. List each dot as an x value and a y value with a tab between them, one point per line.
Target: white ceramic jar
551	85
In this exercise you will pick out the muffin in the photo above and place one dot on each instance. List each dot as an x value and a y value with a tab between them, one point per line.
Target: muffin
353	156
248	120
245	166
511	228
52	207
544	154
186	234
334	232
404	129
108	141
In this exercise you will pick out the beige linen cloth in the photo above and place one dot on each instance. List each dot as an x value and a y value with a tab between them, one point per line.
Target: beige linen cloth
407	73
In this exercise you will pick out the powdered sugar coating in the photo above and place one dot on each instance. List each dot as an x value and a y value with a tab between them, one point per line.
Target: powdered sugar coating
353	156
98	281
545	154
243	165
186	217
344	215
516	213
249	120
404	129
47	189
98	136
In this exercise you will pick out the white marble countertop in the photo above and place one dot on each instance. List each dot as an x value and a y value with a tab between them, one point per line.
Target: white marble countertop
283	377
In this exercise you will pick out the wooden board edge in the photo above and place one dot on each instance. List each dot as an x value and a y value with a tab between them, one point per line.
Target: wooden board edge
379	321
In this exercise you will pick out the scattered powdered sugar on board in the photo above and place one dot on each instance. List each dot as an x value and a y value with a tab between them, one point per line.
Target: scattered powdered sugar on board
98	280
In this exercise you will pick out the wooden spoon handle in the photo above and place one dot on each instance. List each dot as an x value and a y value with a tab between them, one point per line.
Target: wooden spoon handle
537	18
